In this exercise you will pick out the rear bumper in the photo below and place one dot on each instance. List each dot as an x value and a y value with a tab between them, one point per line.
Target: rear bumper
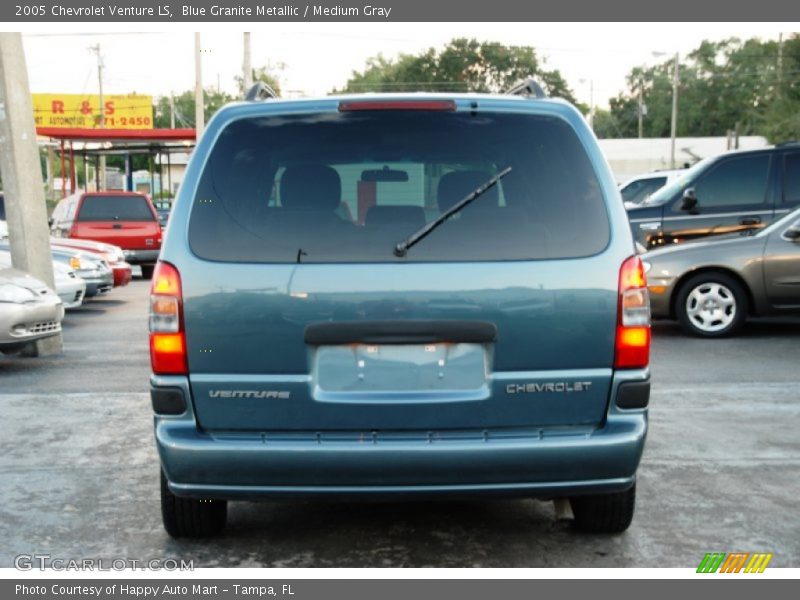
544	462
138	257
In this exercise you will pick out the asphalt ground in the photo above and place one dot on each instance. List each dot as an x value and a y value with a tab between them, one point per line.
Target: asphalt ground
721	471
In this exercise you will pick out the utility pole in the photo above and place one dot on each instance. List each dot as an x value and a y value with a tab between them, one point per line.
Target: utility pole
199	114
780	64
641	107
102	111
171	110
26	211
247	65
50	174
674	124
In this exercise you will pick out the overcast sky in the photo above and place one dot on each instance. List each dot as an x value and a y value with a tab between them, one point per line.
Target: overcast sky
320	56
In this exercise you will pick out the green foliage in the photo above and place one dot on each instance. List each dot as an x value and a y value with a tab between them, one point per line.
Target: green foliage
463	65
184	107
266	74
213	99
752	86
604	124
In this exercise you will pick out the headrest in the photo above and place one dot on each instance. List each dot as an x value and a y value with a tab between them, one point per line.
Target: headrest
311	187
412	216
456	185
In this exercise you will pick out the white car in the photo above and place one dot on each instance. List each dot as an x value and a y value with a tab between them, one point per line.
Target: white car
638	189
69	287
29	310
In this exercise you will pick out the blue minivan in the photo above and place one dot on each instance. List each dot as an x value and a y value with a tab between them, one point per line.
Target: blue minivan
403	296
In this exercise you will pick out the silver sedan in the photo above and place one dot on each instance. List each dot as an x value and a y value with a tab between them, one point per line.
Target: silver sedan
712	287
29	310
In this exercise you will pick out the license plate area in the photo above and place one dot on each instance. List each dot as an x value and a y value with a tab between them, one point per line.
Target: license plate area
400	368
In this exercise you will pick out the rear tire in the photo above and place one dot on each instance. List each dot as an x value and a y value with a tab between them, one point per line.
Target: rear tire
147	271
711	305
190	517
604	513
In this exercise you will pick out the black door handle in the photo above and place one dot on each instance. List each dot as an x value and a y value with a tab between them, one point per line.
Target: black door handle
750	221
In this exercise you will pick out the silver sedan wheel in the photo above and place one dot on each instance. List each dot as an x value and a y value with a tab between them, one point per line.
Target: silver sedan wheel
711	307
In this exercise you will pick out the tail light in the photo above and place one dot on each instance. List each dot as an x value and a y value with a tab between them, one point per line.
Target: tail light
167	340
632	348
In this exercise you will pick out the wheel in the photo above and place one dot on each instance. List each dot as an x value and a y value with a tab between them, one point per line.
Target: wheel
190	517
711	305
604	513
147	271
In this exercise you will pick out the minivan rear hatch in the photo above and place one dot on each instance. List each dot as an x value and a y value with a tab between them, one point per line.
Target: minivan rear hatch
300	317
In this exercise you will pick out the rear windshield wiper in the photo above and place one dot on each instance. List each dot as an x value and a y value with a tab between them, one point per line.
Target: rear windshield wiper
403	247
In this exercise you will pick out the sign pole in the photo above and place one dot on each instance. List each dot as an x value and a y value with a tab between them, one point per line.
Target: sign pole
101	109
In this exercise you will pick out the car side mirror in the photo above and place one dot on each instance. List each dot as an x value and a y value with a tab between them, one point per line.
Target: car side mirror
689	200
792	233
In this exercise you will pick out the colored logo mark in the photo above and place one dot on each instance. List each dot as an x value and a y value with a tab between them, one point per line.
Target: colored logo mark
735	562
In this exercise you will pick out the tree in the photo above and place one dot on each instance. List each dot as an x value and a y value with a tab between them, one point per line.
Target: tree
266	74
463	65
184	107
213	99
750	86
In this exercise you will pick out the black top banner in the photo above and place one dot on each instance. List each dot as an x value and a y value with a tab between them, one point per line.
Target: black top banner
164	11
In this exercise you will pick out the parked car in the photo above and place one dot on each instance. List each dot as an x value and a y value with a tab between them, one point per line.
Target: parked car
162	208
479	326
712	287
113	255
94	271
736	191
29	311
69	287
124	219
638	189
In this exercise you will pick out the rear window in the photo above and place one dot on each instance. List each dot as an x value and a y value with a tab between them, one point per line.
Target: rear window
115	208
348	187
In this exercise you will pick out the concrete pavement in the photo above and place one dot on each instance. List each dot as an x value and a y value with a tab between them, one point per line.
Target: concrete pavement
79	472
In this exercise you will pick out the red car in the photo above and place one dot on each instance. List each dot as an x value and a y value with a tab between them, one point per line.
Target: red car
113	255
124	219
